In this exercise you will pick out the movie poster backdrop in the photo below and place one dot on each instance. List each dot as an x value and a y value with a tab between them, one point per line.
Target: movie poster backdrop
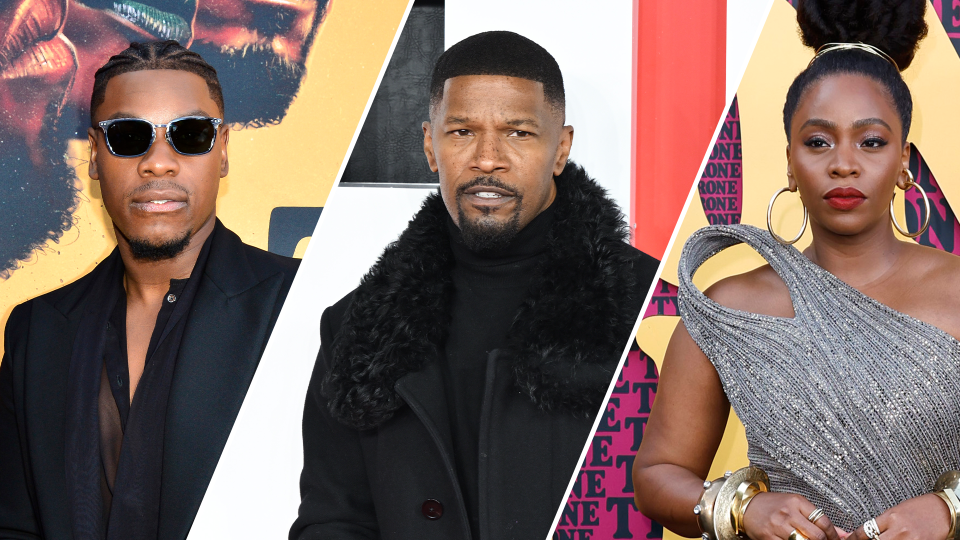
746	166
296	77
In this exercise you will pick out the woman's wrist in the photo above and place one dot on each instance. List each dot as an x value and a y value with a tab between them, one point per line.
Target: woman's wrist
741	500
947	488
724	501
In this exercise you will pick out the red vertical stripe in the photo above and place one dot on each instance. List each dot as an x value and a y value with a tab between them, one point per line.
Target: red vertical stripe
679	81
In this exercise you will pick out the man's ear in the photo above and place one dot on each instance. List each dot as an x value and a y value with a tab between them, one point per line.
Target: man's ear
224	161
92	164
428	147
563	149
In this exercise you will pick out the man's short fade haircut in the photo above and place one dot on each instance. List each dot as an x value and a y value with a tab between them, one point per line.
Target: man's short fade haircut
499	53
154	55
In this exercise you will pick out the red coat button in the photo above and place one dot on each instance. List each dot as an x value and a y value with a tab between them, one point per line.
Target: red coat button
432	509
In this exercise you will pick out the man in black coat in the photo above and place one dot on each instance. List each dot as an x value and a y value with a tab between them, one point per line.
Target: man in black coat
457	385
118	391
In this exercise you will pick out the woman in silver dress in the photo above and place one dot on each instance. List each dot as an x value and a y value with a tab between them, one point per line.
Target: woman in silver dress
845	374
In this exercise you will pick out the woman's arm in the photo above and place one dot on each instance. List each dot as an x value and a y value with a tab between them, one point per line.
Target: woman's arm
681	437
683	432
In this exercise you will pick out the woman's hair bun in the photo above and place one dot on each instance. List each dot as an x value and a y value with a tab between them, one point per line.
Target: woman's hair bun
894	26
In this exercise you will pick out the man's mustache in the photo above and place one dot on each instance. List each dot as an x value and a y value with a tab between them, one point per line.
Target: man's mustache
486	180
158	185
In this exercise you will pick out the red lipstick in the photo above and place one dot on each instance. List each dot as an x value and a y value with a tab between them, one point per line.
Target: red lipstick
844	198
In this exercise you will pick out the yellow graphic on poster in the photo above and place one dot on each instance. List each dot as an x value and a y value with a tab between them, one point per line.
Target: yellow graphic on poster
296	78
754	125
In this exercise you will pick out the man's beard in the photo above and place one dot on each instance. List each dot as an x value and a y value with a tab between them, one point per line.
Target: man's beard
149	251
486	235
258	86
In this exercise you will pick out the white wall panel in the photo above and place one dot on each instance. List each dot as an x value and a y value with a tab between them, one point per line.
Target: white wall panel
745	19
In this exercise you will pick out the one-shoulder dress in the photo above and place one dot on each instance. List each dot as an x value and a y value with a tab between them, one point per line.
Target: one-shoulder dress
850	403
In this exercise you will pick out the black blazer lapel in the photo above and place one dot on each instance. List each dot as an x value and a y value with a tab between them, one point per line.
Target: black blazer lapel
49	347
226	333
54	321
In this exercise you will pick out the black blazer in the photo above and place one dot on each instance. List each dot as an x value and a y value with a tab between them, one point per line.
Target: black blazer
236	306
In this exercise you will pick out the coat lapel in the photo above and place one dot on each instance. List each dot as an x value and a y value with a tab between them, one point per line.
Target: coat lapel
226	333
423	391
419	390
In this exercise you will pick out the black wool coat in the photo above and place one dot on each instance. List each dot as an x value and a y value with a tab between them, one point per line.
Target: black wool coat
378	458
236	305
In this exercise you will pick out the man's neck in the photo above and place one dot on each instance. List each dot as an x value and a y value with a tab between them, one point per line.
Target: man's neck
148	281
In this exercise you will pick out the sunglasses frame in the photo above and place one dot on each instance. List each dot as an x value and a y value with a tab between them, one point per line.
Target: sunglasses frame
153	134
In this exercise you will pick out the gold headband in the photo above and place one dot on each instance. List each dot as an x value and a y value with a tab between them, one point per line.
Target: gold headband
830	47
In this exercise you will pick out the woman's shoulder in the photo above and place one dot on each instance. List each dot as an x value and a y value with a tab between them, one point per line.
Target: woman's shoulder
930	288
932	267
760	291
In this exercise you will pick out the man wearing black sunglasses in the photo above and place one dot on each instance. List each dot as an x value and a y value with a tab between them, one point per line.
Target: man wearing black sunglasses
118	391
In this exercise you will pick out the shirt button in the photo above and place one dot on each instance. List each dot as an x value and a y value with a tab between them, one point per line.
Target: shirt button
432	509
119	381
171	298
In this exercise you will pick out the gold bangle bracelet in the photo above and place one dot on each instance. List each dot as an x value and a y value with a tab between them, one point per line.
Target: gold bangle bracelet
704	509
953	513
947	488
720	510
752	490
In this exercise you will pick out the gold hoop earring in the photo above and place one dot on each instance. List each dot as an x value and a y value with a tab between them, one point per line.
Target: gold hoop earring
926	206
776	236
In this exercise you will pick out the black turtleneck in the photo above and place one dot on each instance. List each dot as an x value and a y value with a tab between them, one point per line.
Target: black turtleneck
488	291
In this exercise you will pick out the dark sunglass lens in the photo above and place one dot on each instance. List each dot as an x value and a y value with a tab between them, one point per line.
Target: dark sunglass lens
129	137
192	135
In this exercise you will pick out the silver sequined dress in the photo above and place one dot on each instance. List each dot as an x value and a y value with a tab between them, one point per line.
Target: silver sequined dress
851	404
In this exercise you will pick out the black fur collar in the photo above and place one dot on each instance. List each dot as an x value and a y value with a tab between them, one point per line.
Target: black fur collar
571	328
